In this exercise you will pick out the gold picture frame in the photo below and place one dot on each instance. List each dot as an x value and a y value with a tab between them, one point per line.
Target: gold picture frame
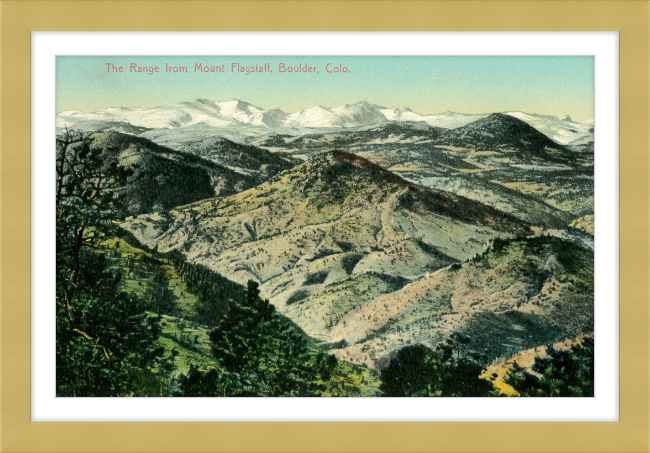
19	18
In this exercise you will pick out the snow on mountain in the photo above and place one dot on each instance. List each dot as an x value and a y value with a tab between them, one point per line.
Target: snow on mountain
63	122
200	111
564	131
354	115
237	113
361	114
452	120
401	115
245	113
156	118
274	118
318	116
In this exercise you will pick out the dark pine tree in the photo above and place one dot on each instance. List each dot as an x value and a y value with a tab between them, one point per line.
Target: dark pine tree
420	371
105	341
566	373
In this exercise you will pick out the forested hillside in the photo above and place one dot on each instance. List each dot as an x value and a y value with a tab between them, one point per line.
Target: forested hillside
131	323
335	277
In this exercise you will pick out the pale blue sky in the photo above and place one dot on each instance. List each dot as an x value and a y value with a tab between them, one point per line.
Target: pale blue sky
546	85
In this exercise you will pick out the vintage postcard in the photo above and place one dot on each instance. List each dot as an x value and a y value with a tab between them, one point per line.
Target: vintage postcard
325	226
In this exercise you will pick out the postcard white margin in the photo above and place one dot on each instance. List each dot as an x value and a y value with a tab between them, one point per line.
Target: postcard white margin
47	408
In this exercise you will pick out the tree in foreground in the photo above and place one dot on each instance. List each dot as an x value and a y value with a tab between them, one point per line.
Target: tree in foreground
261	354
105	341
567	373
420	371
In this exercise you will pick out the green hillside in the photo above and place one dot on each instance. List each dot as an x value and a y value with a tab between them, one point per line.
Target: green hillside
185	340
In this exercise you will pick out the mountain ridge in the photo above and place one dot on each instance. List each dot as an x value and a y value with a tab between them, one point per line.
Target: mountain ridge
238	113
336	223
500	131
339	242
165	178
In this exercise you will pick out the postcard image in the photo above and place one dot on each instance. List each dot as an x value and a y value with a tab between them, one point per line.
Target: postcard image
363	226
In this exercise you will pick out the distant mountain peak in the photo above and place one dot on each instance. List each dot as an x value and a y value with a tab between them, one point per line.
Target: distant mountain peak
239	113
238	104
337	169
501	117
502	131
498	119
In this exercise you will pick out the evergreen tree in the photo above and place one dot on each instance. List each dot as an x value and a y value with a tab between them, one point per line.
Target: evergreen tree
420	371
259	353
215	292
561	373
268	354
105	341
199	384
158	295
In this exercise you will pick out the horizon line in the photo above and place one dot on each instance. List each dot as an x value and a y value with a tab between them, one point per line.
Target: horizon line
321	106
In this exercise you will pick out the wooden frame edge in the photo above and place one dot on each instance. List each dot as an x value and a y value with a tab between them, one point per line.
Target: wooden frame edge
17	19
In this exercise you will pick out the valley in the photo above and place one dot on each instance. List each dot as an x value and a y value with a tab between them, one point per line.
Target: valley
368	230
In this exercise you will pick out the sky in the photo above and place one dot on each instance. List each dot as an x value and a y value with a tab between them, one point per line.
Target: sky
550	85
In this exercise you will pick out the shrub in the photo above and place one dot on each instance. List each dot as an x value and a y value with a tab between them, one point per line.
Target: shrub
420	371
560	373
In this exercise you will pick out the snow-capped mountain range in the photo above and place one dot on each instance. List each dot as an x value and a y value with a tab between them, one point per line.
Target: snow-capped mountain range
237	113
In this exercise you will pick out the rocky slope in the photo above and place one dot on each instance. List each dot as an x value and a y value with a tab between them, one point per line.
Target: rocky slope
332	227
517	295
